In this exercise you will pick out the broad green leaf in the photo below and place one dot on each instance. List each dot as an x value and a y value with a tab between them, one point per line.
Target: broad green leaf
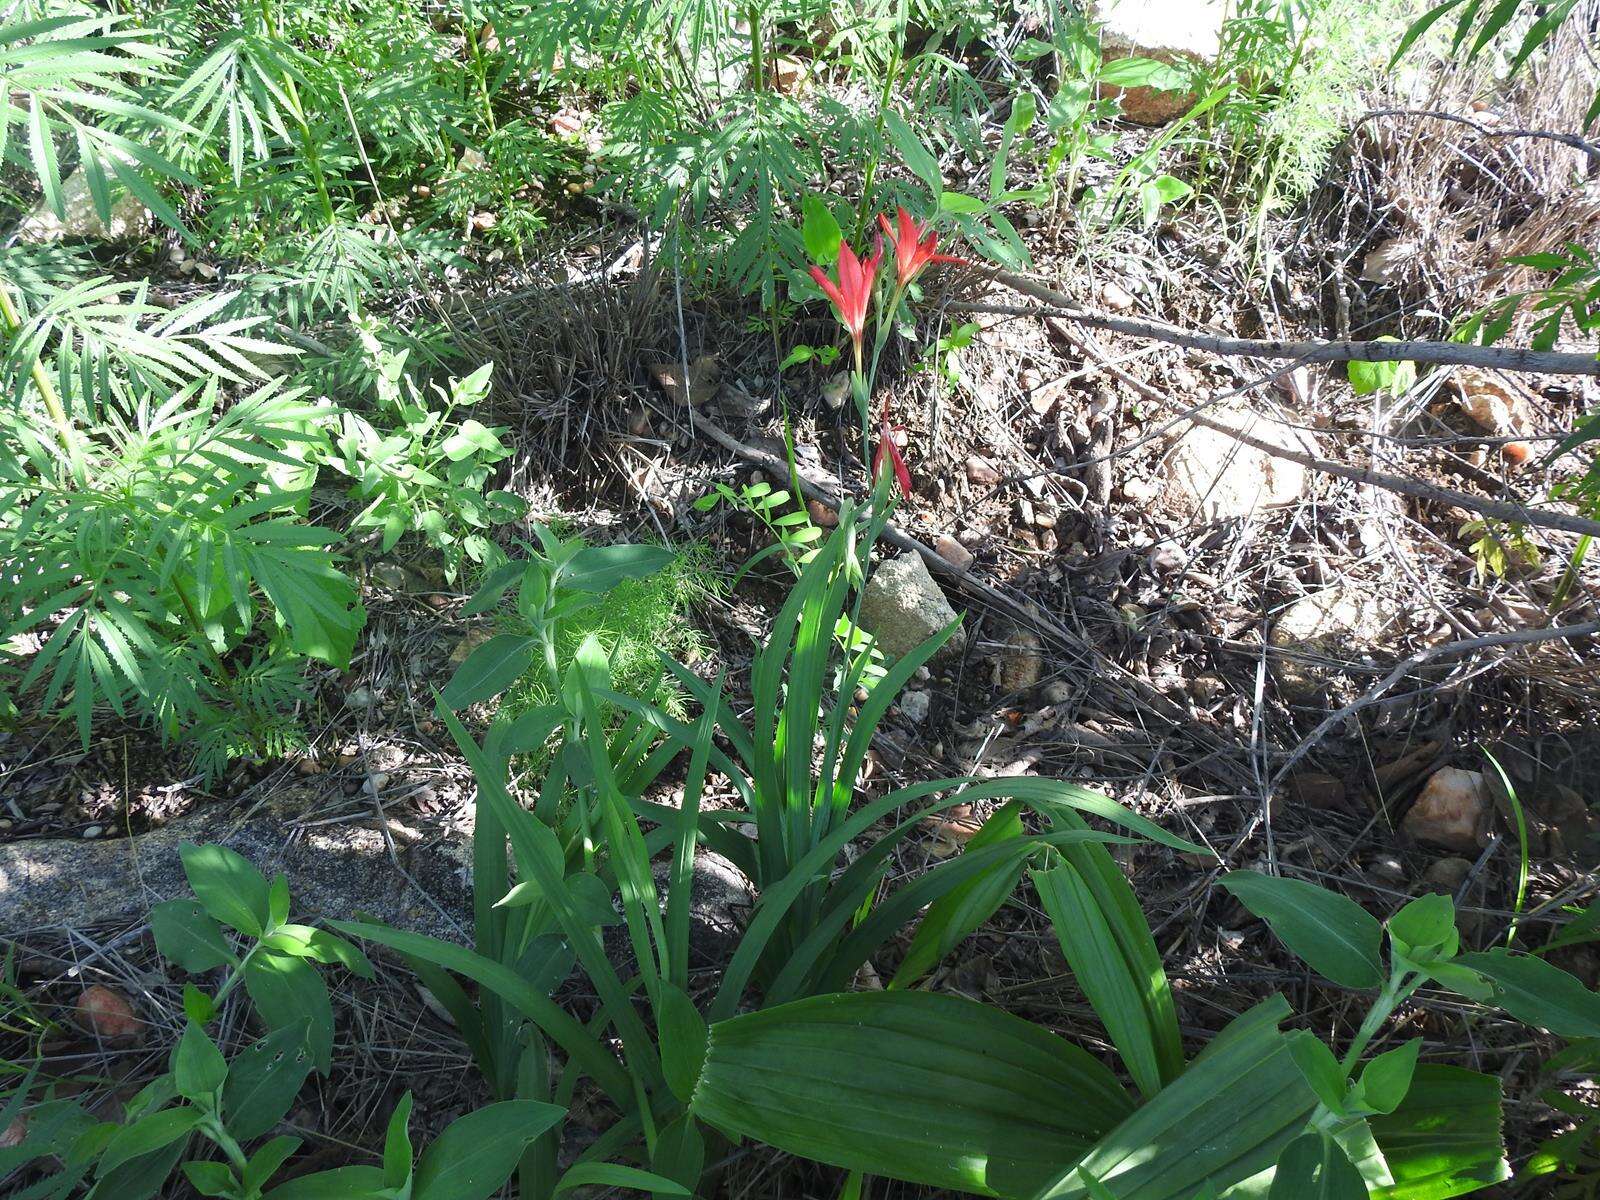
682	1031
1444	1140
264	1163
820	230
476	1153
198	1068
287	992
147	1134
680	1152
306	941
1538	993
341	1183
209	1178
1386	1080
1334	934
1395	377
397	1154
197	1005
1320	1068
189	936
1426	927
1314	1167
490	669
264	1079
228	885
924	1087
1142	72
1116	991
1224	1120
601	568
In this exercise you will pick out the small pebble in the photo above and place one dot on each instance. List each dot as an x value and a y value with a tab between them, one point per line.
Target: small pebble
107	1014
1115	297
1387	867
981	472
953	552
915	706
93	831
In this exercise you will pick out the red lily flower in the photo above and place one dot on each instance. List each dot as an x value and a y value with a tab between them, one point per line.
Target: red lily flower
888	450
852	295
913	246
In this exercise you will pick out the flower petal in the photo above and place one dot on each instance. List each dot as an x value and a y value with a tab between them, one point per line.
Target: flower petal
832	290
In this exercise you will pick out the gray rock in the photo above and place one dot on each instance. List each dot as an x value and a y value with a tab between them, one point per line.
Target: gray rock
1448	874
335	872
719	905
902	607
129	218
914	706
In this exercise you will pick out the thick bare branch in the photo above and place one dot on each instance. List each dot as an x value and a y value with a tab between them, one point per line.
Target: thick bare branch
1500	510
1442	354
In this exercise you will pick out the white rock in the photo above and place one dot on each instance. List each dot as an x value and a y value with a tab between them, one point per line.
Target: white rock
1452	810
1166	30
915	706
1212	477
1116	297
1322	632
129	218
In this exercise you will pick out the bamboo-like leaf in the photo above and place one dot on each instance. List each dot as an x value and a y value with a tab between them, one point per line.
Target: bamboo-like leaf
960	912
1538	992
918	1086
1332	933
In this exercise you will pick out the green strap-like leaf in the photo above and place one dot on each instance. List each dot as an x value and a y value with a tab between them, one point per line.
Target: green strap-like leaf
924	1087
1224	1120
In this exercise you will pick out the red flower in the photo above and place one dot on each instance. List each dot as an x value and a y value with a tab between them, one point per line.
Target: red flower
913	246
888	450
853	293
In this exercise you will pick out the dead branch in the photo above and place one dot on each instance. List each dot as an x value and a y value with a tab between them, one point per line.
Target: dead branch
1499	510
1442	354
1512	637
1580	144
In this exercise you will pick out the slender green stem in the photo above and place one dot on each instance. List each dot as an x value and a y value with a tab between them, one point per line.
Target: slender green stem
308	143
47	392
891	71
758	72
200	631
480	72
1399	988
213	1128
